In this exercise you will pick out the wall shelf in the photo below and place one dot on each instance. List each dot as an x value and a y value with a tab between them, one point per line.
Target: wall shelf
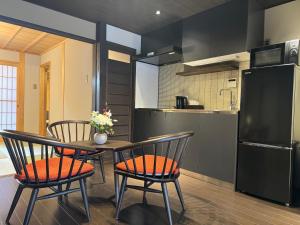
211	68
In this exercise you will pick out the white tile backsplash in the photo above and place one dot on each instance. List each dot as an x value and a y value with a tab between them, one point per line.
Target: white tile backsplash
204	88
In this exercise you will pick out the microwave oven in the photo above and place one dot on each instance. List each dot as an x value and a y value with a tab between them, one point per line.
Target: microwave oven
277	54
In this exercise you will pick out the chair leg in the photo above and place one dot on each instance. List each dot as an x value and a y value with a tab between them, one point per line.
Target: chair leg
101	163
122	191
14	202
144	194
34	195
68	188
178	189
59	187
85	198
167	203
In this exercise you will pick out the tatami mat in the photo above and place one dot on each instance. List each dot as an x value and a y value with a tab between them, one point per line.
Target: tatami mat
3	151
6	167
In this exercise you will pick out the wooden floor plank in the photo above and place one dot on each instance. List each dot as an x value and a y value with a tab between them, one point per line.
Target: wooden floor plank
206	204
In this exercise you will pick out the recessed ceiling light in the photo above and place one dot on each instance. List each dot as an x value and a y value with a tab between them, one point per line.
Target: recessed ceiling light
157	12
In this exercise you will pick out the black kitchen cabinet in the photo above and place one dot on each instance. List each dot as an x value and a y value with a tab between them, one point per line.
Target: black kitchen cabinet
227	33
211	151
170	35
230	28
233	27
196	37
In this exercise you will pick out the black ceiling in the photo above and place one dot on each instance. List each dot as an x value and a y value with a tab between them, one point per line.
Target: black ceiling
136	15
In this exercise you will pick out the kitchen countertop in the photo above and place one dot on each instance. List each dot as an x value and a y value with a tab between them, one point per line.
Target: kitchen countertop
193	111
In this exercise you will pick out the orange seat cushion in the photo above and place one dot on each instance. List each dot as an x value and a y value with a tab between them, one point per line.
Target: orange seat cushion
54	169
149	159
69	152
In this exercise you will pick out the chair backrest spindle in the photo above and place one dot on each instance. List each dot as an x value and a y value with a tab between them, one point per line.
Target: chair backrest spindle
38	170
71	130
162	154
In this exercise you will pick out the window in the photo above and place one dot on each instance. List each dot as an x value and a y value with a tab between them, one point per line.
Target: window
8	97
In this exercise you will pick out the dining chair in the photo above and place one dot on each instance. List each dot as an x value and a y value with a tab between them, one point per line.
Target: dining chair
155	160
76	130
37	167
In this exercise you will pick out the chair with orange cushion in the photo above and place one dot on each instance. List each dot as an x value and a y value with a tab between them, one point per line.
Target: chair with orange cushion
156	160
76	130
39	169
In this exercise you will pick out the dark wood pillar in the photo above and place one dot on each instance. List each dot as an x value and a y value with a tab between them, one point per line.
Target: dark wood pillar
100	78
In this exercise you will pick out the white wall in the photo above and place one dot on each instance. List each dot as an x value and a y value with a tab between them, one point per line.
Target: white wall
55	57
146	86
31	98
24	11
71	84
123	37
78	80
282	22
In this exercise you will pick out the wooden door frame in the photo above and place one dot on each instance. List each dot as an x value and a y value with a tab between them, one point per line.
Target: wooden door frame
42	98
34	26
20	89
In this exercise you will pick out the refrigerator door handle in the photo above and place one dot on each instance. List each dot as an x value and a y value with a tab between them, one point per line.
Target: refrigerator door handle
266	146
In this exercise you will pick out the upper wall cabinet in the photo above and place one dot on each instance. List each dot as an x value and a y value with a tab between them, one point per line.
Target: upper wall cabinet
234	27
170	35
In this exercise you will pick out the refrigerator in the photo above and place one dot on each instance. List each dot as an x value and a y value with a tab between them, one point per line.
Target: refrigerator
269	132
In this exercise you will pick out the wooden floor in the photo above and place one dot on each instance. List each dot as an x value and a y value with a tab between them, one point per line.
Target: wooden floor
206	204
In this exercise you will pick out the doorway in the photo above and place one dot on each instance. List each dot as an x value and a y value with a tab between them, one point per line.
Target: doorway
44	97
37	58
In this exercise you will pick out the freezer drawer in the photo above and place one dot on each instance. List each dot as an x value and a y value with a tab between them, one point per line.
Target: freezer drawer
265	172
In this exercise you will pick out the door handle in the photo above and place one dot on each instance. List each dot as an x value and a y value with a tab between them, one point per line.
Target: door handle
266	145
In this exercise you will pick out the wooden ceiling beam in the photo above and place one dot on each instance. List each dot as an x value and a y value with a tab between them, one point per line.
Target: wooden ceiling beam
11	38
34	41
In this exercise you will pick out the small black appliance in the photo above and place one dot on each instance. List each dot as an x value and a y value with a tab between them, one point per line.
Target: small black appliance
277	54
181	102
